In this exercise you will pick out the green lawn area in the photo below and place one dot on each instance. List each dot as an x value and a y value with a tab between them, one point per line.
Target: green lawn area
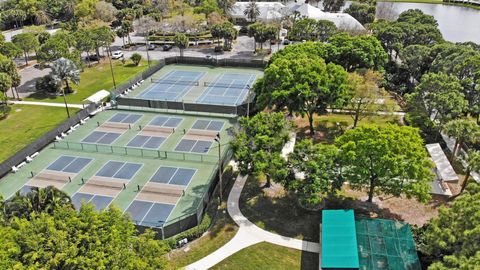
269	256
94	79
279	213
25	124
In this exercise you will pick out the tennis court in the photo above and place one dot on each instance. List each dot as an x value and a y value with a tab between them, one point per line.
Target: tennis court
99	202
172	86
193	146
228	88
101	137
57	174
125	118
157	198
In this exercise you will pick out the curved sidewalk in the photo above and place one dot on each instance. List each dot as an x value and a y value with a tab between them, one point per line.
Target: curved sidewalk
248	234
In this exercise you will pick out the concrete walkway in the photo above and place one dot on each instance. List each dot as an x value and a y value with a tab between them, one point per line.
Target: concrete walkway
248	234
51	104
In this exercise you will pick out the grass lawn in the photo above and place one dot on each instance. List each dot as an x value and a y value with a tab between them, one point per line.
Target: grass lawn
434	2
269	256
94	79
272	210
327	128
25	124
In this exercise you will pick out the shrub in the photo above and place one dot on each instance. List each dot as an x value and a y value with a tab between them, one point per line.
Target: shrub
136	58
47	84
190	234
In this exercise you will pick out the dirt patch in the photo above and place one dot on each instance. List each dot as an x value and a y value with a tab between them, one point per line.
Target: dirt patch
401	208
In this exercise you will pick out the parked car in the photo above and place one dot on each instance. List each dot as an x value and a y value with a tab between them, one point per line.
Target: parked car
167	47
92	57
286	42
218	49
117	54
151	47
273	41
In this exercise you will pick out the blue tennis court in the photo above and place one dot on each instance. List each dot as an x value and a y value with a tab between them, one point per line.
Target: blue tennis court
194	146
120	170
69	164
165	121
228	89
173	175
101	137
208	125
173	86
126	118
148	213
100	202
149	142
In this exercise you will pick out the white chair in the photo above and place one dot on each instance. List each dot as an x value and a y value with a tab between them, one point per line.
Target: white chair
14	169
28	159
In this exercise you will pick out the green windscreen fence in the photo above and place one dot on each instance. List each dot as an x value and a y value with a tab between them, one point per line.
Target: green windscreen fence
386	244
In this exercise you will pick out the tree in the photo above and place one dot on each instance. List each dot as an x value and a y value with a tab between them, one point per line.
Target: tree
364	13
181	41
252	11
136	58
143	26
417	59
226	5
53	49
84	239
105	11
10	50
207	7
441	95
473	165
262	32
84	42
464	131
5	85
367	93
333	5
355	52
258	145
102	37
390	160
63	71
311	29
313	172
305	85
9	67
452	238
26	42
127	28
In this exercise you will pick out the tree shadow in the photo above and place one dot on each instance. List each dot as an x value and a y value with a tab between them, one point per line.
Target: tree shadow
281	215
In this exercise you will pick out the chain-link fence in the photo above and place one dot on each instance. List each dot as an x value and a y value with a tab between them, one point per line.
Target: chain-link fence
44	140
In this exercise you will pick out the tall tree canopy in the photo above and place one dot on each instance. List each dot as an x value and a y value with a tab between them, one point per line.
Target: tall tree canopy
258	145
304	85
390	160
313	171
463	131
311	29
441	95
452	239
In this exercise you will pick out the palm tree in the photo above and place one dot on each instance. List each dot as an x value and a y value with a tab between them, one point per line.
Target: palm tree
252	11
226	5
181	41
63	71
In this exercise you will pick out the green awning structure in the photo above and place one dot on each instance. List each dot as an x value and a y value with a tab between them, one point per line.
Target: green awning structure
339	240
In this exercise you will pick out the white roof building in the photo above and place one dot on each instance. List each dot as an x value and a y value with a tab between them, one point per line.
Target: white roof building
271	11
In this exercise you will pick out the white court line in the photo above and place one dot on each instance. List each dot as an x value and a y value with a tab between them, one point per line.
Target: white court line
210	88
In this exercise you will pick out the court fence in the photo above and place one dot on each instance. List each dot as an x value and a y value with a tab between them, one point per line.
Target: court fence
44	140
187	221
191	106
137	152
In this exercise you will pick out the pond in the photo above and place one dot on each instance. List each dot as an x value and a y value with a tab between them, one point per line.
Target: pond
457	24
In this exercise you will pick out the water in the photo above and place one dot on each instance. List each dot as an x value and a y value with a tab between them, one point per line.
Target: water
457	24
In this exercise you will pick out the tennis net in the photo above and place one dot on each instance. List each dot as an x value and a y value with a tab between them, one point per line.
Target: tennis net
166	81
227	85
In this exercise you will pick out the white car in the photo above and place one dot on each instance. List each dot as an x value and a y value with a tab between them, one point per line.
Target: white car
117	54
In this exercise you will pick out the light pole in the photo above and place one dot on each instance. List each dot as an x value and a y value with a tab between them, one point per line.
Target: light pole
248	101
109	53
217	139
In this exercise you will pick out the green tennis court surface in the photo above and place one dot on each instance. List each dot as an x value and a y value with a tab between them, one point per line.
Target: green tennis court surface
129	159
195	84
